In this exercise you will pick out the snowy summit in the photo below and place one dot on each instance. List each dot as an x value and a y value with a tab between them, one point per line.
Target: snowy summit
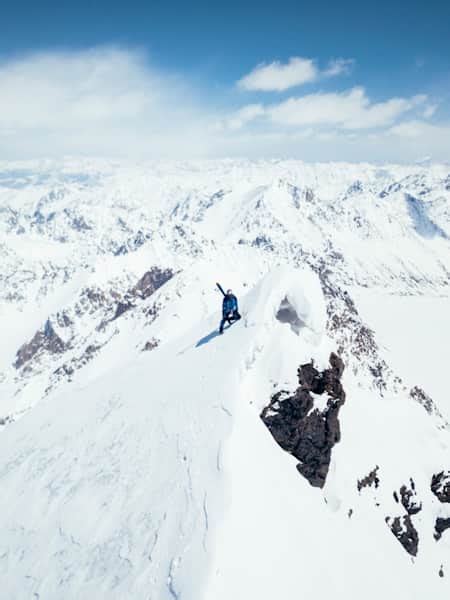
304	453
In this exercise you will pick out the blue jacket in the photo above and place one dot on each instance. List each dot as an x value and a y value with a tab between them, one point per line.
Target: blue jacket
229	304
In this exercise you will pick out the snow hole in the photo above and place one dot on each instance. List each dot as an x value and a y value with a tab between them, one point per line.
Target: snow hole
287	314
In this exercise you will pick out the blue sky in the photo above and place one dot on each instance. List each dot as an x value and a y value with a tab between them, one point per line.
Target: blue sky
323	80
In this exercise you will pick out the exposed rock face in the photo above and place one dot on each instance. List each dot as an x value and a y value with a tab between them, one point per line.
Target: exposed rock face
121	308
309	434
417	394
146	286
440	486
369	480
95	306
68	369
344	324
151	281
46	339
422	398
408	499
405	532
151	344
440	526
402	527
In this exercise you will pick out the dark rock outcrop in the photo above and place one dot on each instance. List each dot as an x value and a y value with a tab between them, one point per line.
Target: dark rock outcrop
68	369
405	532
151	281
44	339
345	325
146	286
262	241
122	308
417	394
309	434
440	486
369	480
408	498
151	345
440	526
402	527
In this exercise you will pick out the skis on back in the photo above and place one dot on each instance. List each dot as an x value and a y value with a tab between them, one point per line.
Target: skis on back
220	288
231	320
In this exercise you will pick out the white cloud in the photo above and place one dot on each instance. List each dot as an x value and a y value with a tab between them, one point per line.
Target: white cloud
351	109
244	115
408	129
419	129
429	111
279	77
98	101
339	66
112	102
341	145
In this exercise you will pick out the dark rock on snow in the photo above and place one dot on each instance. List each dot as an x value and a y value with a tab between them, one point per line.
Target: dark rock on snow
418	395
67	370
146	286
46	339
369	480
402	527
306	433
151	345
408	501
122	308
151	281
405	532
440	486
440	526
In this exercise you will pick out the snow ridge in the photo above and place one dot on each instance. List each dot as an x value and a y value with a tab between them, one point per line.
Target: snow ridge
132	450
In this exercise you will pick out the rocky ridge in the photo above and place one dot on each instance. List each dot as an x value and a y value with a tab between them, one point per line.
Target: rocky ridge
308	433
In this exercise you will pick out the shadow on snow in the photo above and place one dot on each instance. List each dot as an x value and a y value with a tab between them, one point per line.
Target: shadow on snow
209	337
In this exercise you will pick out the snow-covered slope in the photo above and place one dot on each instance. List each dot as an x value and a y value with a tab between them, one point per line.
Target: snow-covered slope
142	455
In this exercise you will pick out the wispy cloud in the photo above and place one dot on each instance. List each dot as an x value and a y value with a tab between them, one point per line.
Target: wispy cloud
96	101
339	66
429	111
244	115
114	102
419	129
351	109
348	110
278	77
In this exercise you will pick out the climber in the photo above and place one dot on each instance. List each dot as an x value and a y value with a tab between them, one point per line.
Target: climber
230	311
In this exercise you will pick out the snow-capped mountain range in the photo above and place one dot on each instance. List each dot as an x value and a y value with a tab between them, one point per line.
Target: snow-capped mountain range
304	453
